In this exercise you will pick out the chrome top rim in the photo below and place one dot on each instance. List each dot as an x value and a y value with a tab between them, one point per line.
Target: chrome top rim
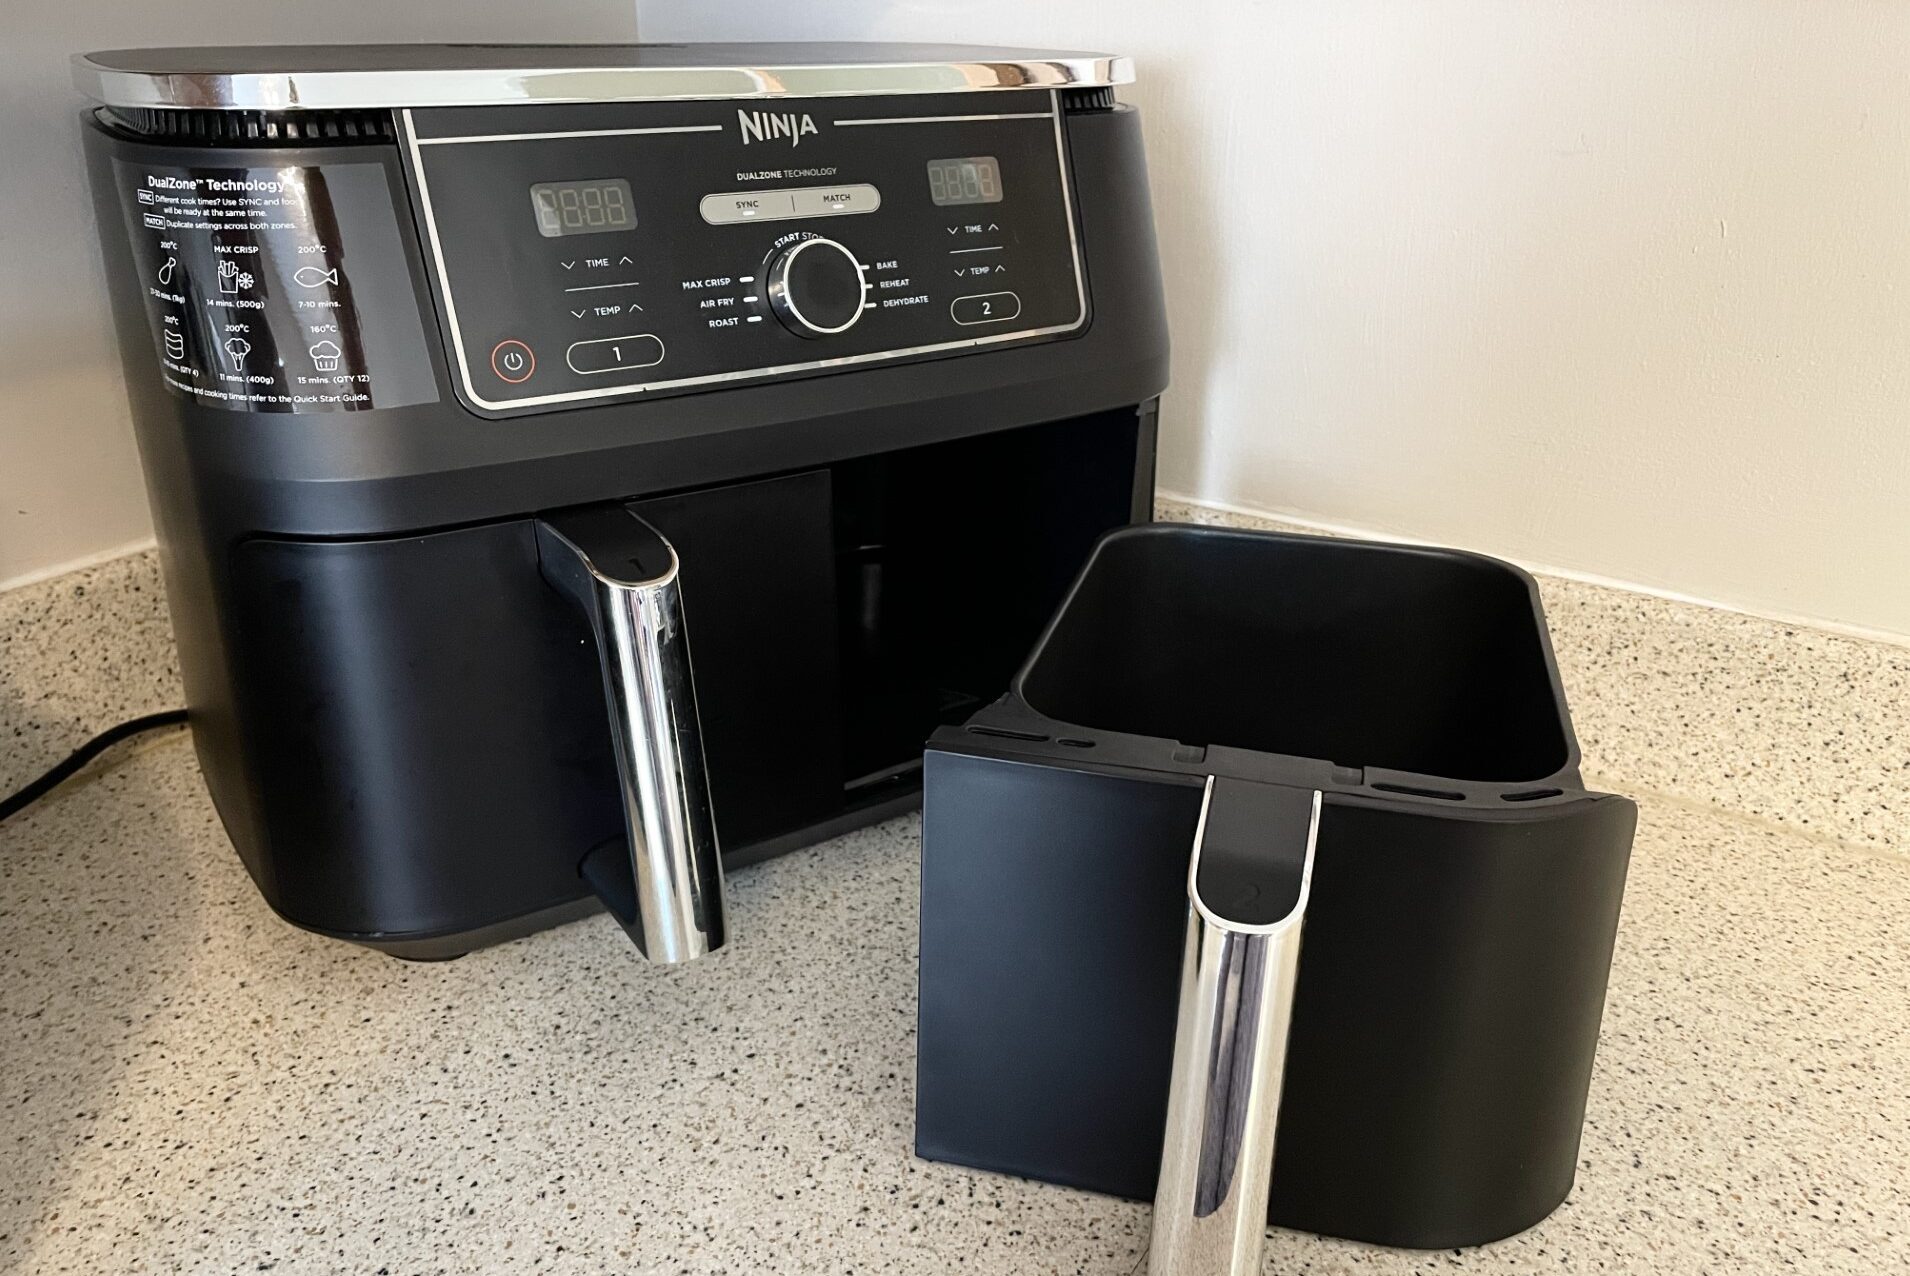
375	76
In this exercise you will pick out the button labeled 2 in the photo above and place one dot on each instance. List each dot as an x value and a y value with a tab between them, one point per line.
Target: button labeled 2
985	307
609	354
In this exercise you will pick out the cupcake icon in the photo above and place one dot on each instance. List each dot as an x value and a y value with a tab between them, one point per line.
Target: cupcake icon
325	356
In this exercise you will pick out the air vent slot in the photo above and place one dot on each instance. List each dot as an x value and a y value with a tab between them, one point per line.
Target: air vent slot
250	128
1033	737
1444	795
1082	101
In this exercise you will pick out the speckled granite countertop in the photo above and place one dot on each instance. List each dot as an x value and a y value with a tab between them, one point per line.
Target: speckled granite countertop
189	1085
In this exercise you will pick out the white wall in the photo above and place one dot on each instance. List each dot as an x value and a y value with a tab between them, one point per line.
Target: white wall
1615	287
69	474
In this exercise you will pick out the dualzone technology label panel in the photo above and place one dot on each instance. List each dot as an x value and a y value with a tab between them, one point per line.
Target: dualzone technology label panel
604	250
276	288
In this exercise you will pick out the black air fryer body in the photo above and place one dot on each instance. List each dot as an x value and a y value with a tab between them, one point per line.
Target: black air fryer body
369	345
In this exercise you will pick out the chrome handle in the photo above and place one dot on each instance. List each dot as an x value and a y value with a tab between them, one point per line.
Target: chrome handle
1247	886
623	574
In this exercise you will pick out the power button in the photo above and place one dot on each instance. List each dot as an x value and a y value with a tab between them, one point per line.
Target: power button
513	361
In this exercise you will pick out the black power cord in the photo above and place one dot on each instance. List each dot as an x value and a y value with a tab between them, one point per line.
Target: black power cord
15	803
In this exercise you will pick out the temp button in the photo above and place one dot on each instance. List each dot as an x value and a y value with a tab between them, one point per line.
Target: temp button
611	354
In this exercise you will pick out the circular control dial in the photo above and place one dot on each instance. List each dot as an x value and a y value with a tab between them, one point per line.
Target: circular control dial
815	287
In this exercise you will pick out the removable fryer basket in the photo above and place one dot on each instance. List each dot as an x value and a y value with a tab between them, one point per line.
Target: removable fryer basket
1464	895
1363	655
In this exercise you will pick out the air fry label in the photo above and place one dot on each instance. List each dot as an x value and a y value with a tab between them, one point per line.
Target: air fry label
277	290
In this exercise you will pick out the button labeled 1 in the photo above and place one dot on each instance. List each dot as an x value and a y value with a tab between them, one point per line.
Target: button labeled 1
609	354
985	307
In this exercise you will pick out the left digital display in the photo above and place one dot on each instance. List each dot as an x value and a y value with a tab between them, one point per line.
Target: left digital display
582	208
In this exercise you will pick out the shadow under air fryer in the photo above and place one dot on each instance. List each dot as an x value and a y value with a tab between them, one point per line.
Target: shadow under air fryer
1200	683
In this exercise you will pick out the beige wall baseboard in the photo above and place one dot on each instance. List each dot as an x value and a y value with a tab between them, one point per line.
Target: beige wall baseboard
80	564
1776	721
1293	521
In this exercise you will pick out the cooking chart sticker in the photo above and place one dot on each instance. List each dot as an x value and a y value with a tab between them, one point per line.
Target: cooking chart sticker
277	289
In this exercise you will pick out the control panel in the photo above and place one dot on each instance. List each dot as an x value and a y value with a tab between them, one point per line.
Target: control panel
596	251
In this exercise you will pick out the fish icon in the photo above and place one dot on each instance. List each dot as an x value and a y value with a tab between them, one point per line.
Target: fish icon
314	277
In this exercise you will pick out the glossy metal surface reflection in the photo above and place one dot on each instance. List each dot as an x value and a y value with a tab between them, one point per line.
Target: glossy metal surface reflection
623	574
1230	1044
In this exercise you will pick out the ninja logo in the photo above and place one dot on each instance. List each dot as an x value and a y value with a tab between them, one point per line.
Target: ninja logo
765	126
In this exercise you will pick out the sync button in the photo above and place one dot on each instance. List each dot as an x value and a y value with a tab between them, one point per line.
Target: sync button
747	206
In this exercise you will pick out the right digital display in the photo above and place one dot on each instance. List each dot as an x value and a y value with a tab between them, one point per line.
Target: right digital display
973	180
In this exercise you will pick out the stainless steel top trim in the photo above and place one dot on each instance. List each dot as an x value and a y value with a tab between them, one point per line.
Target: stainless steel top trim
390	76
588	132
408	134
944	119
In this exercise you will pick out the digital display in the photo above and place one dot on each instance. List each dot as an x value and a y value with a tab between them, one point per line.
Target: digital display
582	208
975	180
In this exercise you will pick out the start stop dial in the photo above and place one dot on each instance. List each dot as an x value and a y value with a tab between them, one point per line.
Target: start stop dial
816	287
